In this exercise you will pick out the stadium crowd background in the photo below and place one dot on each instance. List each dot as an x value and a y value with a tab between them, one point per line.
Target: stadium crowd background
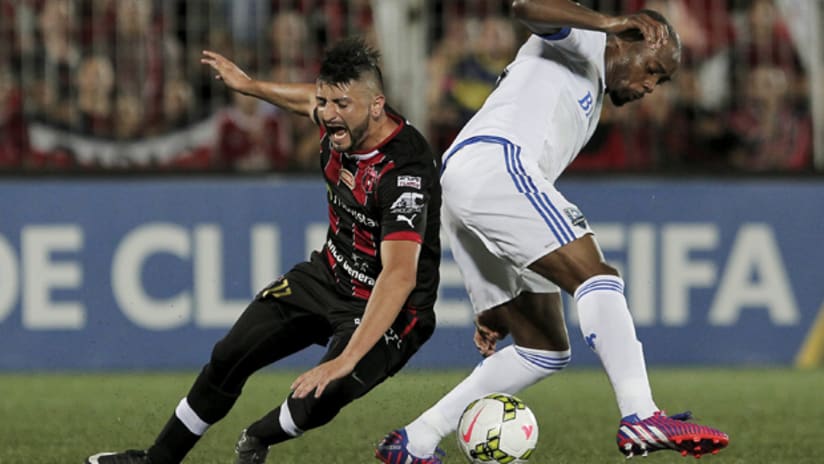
116	85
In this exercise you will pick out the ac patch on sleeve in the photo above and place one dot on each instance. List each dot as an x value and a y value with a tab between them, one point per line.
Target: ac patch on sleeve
408	202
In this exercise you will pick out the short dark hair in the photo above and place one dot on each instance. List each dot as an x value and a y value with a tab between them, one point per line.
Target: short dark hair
673	36
349	60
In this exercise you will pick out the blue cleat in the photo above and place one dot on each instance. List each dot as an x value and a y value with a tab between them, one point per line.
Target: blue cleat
392	450
659	431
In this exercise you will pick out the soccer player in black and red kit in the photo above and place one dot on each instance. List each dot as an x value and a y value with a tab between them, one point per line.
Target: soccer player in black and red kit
368	295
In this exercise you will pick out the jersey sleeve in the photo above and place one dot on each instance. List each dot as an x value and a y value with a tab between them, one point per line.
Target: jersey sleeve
588	44
403	198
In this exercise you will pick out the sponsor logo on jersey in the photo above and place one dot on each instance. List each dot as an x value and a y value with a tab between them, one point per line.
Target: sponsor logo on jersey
354	273
407	202
358	216
409	181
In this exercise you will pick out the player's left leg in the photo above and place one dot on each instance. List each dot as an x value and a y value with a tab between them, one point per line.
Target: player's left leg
604	318
496	224
608	329
540	349
295	416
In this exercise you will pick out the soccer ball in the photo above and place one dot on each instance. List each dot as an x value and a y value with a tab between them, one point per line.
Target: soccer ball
497	429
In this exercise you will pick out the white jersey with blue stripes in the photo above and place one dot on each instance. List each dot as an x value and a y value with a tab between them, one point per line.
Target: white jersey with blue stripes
548	100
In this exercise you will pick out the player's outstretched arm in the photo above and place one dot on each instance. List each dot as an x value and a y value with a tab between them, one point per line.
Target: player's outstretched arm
548	16
397	279
298	98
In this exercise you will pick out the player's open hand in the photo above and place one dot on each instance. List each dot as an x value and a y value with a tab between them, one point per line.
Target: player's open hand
319	377
227	71
653	32
485	339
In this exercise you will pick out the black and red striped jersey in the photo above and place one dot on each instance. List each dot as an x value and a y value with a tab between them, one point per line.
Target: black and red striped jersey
392	192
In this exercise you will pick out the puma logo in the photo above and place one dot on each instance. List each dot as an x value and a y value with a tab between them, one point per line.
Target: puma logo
407	219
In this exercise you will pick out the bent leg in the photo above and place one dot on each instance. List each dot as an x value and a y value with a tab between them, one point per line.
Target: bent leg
535	320
540	348
605	320
266	332
296	415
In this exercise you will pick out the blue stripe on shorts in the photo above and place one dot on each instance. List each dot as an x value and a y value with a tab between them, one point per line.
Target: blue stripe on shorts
523	183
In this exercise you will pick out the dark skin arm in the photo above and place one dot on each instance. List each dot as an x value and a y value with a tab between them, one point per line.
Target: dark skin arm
396	281
297	98
548	16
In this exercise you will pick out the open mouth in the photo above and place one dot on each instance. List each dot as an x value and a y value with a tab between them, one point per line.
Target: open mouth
337	132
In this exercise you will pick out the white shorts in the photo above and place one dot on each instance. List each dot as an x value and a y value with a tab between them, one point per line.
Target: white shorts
500	214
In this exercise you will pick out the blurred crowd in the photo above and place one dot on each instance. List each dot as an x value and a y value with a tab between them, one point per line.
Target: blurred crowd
88	85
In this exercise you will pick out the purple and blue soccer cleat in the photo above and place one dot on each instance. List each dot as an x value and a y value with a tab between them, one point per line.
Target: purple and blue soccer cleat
659	432
392	450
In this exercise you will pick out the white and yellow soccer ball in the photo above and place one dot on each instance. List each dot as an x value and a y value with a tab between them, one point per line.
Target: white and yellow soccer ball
497	429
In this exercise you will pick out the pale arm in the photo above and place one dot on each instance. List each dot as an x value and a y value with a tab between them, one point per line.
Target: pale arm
298	97
396	281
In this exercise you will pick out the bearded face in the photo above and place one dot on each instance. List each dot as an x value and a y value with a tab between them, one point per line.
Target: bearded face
344	110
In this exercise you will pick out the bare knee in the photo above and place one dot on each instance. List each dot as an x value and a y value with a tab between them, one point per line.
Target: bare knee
536	320
573	264
604	269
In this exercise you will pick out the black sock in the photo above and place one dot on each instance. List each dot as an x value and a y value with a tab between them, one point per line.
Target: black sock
268	429
173	443
209	402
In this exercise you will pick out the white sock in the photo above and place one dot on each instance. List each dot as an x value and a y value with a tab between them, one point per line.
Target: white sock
190	419
509	370
286	422
607	326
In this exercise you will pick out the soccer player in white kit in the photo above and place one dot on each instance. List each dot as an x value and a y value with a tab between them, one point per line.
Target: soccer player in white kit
517	240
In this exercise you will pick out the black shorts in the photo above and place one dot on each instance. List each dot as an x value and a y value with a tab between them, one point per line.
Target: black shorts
305	303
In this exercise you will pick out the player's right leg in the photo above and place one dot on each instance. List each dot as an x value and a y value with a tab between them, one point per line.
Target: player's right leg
540	348
272	327
494	229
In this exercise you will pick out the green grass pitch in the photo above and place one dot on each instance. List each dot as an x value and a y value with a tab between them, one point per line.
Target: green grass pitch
772	415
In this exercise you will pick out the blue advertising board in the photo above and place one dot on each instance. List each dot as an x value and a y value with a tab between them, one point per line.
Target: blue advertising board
148	274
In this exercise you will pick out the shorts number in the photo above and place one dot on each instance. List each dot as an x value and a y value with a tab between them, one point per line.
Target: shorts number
278	290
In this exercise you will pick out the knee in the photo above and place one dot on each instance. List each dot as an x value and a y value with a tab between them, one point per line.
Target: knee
310	412
596	270
210	398
605	269
231	364
225	358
